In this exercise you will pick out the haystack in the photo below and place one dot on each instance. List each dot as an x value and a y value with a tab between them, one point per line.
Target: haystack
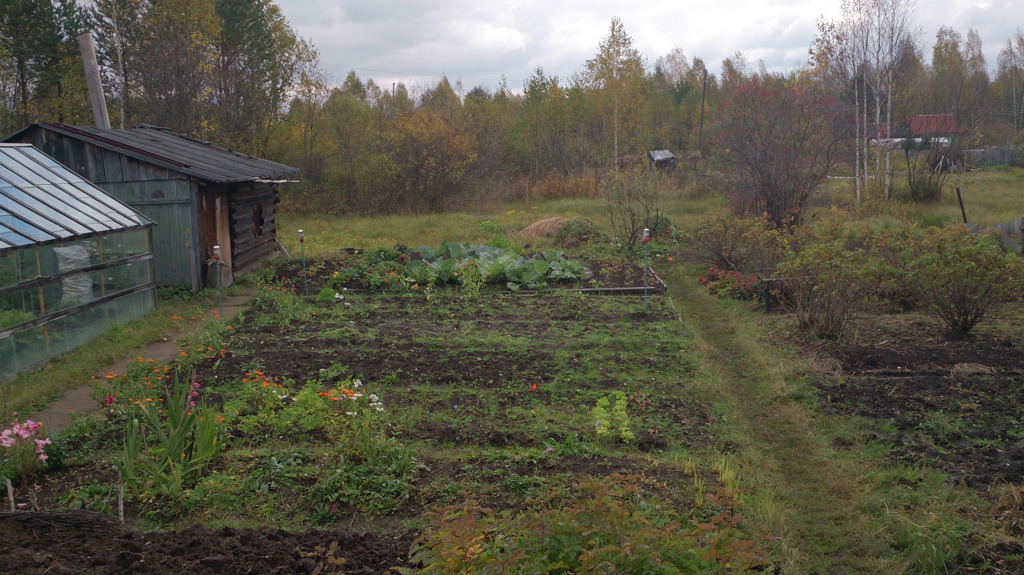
546	228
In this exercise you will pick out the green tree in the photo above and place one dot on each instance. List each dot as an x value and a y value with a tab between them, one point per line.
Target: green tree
40	42
1010	80
257	60
119	29
427	163
176	63
616	74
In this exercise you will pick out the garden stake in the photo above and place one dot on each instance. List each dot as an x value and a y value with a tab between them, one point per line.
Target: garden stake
217	263
645	239
302	247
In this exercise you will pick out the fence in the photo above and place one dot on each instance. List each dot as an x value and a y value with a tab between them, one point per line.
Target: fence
993	156
1012	235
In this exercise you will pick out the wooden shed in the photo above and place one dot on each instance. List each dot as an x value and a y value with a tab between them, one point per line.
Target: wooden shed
199	195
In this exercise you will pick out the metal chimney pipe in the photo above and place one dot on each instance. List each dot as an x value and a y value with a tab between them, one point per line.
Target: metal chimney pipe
92	79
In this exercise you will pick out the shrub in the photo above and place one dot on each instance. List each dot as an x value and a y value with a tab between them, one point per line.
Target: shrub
825	283
888	251
728	242
963	276
633	200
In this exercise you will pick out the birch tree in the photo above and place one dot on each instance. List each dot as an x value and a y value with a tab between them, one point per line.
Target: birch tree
615	73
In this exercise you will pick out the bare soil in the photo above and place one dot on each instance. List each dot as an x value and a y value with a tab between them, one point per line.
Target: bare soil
80	542
952	405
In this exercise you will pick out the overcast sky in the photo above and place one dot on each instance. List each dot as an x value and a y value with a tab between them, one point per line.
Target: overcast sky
478	41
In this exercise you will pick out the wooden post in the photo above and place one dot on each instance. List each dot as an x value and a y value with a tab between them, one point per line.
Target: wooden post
960	199
92	79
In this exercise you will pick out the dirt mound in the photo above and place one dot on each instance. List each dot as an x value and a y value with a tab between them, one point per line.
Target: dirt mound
69	543
546	228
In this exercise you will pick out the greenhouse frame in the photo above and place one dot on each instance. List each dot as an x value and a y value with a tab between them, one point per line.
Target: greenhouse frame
74	262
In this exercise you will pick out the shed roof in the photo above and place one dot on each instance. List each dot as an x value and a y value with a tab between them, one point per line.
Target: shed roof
164	148
660	155
42	201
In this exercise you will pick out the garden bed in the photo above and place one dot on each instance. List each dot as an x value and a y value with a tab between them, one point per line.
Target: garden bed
948	404
347	418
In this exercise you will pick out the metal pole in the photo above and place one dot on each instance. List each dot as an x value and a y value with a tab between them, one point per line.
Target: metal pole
217	264
93	81
646	238
302	248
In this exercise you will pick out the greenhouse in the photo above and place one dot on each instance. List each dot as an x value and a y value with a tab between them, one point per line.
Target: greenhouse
74	262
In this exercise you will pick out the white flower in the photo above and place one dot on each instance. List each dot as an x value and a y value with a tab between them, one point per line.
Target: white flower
380	409
350	413
373	397
356	383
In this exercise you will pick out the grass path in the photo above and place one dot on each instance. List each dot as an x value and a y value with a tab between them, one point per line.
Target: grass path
806	493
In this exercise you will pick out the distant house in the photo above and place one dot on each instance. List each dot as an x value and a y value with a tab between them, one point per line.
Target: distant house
74	262
933	126
199	195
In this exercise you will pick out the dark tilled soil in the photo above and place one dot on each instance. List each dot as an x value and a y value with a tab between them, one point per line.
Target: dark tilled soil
952	405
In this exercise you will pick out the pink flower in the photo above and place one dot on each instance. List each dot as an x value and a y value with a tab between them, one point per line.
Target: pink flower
191	404
109	399
195	394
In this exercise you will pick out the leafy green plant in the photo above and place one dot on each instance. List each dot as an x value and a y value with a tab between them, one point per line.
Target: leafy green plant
444	269
167	449
417	272
612	418
328	558
470	279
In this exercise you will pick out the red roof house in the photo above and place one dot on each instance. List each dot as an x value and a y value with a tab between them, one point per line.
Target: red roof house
933	125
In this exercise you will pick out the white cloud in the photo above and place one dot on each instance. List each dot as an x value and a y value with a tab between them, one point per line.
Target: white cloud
479	41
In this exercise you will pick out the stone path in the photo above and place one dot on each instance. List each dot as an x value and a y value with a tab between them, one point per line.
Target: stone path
58	415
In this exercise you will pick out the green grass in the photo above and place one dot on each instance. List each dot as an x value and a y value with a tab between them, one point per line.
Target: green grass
835	510
325	235
32	390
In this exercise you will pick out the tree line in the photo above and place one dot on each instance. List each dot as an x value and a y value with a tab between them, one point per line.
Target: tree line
233	72
219	70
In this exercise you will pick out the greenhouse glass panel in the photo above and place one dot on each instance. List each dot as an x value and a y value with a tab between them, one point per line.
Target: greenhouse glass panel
9	273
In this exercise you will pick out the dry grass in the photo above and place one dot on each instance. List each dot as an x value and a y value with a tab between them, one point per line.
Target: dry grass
971	370
1008	507
546	228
